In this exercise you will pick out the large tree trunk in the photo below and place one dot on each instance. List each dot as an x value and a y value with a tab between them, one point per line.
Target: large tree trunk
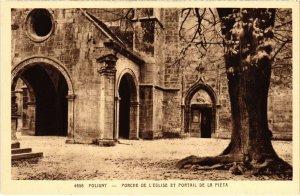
248	92
248	59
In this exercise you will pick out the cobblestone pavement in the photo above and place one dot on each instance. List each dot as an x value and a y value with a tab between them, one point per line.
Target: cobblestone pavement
130	159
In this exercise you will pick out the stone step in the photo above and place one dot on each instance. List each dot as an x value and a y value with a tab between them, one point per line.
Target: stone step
15	145
26	156
20	150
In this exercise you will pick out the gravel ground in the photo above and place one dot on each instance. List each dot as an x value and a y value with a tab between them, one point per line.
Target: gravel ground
131	159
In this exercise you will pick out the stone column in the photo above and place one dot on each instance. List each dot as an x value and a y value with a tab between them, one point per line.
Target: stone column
107	72
117	107
216	117
215	122
19	101
14	116
182	130
134	120
70	137
25	108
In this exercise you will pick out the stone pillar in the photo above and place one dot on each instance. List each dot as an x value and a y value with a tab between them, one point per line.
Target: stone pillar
117	107
31	117
19	101
182	130
134	120
217	118
70	137
14	116
107	97
25	108
215	122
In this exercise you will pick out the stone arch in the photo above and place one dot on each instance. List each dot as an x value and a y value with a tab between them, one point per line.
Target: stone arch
131	74
30	89
24	65
129	106
211	105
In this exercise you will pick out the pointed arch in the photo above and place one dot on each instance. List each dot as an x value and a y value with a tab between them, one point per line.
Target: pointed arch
200	85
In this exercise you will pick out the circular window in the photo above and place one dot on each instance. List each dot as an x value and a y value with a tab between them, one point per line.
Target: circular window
39	24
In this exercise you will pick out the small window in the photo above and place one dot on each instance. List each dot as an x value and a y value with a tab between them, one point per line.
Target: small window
39	24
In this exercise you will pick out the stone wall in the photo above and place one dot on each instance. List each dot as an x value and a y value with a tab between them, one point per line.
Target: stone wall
158	115
172	124
224	110
280	113
146	112
172	72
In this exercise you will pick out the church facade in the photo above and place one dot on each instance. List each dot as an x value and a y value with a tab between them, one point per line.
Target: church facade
88	74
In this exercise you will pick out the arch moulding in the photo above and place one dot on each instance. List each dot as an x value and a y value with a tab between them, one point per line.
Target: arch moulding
197	86
134	78
20	67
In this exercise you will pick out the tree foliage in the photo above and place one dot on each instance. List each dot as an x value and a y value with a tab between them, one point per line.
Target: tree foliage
201	28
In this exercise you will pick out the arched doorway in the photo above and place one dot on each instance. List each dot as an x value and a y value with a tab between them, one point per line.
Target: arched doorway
50	88
128	108
25	100
200	111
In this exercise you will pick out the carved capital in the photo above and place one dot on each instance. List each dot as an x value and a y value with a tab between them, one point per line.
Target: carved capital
108	64
71	97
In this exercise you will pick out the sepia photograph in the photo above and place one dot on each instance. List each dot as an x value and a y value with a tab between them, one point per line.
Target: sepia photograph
177	96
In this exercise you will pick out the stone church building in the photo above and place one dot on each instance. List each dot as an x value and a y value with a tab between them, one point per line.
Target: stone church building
88	74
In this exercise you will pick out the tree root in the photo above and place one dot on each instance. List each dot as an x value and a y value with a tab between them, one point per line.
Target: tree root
272	166
208	161
237	165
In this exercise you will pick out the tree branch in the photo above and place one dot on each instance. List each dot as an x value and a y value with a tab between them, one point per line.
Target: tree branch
279	49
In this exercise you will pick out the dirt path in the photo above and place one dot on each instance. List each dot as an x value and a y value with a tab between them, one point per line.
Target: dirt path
132	159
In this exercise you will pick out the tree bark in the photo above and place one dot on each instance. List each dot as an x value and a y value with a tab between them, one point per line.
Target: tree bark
248	63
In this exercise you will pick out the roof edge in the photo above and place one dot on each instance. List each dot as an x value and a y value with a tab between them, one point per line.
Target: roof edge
124	51
102	27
